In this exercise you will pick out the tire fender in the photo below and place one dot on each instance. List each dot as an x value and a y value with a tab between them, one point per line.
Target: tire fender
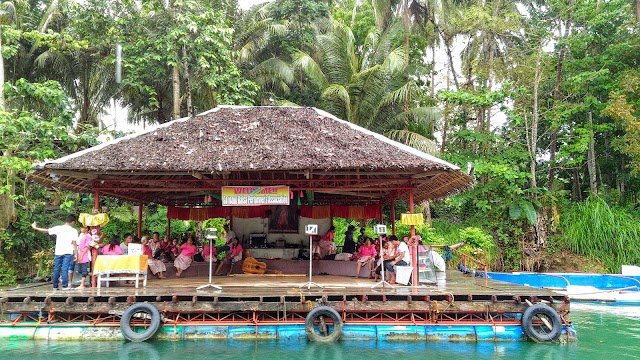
148	310
320	313
538	330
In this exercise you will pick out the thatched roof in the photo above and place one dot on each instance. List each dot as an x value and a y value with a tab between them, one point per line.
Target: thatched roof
304	148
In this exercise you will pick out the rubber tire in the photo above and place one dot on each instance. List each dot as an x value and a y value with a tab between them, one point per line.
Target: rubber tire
330	312
151	330
532	333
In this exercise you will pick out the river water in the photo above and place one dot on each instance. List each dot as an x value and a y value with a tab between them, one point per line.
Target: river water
604	332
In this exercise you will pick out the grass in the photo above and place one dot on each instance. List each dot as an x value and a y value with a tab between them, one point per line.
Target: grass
597	230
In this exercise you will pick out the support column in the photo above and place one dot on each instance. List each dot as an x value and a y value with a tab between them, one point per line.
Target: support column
168	233
140	206
96	201
381	217
393	216
414	249
94	251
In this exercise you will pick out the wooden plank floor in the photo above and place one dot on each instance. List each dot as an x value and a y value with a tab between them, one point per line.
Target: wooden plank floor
243	285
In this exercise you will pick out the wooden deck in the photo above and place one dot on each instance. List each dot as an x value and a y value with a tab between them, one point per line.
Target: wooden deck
457	286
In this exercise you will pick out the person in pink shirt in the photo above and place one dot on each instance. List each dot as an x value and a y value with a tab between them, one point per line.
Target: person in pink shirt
184	260
113	248
325	246
84	254
205	253
233	256
366	254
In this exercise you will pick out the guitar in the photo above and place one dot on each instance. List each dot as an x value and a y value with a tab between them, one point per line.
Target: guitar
253	266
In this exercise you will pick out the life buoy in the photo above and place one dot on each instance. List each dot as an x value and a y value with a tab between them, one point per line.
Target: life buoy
318	330
541	323
140	310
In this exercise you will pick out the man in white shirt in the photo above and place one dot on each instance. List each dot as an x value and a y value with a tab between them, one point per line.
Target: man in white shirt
402	257
65	252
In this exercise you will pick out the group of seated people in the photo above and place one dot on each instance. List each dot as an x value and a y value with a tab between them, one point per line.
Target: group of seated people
394	253
182	255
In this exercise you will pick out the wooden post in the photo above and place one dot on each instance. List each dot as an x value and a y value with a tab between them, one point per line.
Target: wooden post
96	201
414	249
393	216
140	207
94	252
168	234
381	217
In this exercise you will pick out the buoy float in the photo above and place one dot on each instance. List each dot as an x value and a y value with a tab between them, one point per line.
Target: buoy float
318	330
541	323
139	310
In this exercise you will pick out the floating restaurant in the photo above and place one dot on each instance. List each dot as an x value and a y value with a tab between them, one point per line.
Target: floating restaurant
280	175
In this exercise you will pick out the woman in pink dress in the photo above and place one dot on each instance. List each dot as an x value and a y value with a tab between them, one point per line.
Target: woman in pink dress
233	256
366	254
156	266
325	246
113	248
184	260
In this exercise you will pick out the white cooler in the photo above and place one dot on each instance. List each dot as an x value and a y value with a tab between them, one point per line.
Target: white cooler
403	274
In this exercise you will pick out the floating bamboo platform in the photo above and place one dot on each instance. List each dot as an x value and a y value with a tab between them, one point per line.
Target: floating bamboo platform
275	306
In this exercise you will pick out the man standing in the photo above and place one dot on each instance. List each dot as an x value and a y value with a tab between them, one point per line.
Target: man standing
65	252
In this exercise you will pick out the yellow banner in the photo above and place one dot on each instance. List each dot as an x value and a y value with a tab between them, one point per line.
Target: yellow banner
411	219
255	195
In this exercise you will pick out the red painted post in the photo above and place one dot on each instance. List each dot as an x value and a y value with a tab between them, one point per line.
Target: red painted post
393	216
414	249
140	206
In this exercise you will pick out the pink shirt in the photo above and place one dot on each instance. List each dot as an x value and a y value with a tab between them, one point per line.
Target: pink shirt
235	251
328	236
205	251
368	251
84	246
146	250
188	250
107	250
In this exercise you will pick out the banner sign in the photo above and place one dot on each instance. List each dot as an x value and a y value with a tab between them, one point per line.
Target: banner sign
255	195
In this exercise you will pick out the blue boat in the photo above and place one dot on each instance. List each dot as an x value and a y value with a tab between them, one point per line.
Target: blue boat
623	289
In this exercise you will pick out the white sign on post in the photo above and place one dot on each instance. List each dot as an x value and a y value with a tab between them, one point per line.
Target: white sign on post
134	249
381	229
311	229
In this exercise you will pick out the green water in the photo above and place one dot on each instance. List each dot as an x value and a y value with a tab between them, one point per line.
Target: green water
604	332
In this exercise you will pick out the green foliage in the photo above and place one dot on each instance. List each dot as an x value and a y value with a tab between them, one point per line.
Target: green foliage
7	273
43	261
476	238
595	229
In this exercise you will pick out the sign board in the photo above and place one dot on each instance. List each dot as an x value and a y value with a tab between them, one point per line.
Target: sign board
380	229
255	195
311	229
134	249
211	233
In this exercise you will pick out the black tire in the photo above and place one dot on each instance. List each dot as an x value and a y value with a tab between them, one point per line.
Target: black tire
151	327
138	350
535	321
316	328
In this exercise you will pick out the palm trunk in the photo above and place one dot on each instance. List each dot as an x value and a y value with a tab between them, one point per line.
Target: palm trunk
1	75
175	75
557	97
533	132
445	126
187	81
591	159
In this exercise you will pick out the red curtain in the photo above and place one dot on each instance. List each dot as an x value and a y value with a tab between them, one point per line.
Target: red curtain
245	212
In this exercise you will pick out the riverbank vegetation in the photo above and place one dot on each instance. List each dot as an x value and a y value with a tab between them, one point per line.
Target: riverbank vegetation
538	101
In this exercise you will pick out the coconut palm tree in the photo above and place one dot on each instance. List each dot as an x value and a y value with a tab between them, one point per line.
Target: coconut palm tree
369	84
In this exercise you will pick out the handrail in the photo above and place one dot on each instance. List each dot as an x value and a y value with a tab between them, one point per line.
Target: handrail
484	266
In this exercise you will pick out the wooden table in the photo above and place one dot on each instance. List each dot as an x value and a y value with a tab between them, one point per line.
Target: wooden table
127	267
